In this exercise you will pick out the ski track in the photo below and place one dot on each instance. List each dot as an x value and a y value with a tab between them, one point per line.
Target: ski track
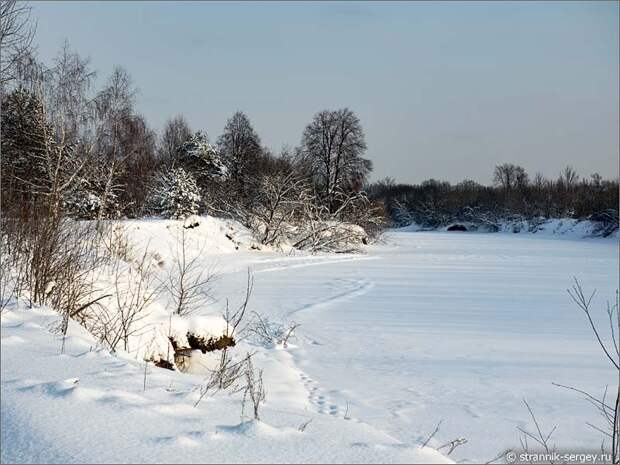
359	288
307	264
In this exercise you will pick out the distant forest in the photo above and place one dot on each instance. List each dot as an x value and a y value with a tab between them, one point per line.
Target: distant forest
513	196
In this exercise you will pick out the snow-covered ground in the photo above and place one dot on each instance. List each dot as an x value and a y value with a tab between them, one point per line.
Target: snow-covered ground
429	326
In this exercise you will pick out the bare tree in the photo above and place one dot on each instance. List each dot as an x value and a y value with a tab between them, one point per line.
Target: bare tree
610	411
235	318
114	106
331	148
240	147
188	282
569	177
114	112
176	131
75	276
54	261
11	263
67	96
16	35
509	176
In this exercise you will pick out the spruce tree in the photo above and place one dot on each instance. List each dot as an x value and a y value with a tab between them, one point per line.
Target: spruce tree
25	142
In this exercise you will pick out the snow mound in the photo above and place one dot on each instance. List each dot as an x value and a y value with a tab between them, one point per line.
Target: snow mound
208	234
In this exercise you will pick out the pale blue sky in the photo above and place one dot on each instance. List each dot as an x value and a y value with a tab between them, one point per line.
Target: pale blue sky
443	89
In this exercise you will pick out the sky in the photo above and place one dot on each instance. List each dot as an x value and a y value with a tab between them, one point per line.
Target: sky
444	90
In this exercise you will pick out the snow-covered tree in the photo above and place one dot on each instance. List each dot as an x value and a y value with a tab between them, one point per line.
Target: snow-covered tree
34	164
199	157
175	194
26	139
83	204
92	197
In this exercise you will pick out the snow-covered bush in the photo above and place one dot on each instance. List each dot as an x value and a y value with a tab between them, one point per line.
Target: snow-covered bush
401	215
606	222
286	211
176	194
263	331
329	236
483	219
274	207
50	261
83	204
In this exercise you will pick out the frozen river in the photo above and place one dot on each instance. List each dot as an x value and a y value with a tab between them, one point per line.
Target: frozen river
453	327
426	327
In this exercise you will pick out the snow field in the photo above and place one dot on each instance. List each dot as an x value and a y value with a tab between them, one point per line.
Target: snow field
428	326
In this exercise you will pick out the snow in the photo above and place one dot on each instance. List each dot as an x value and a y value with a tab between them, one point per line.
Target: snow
569	228
87	406
427	326
211	236
562	227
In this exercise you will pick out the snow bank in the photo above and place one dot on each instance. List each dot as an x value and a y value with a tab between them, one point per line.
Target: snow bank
208	234
564	227
70	400
89	406
567	227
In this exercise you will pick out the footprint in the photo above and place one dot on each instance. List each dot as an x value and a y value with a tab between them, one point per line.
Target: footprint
322	400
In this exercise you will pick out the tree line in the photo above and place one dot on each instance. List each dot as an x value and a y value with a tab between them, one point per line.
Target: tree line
70	149
513	196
